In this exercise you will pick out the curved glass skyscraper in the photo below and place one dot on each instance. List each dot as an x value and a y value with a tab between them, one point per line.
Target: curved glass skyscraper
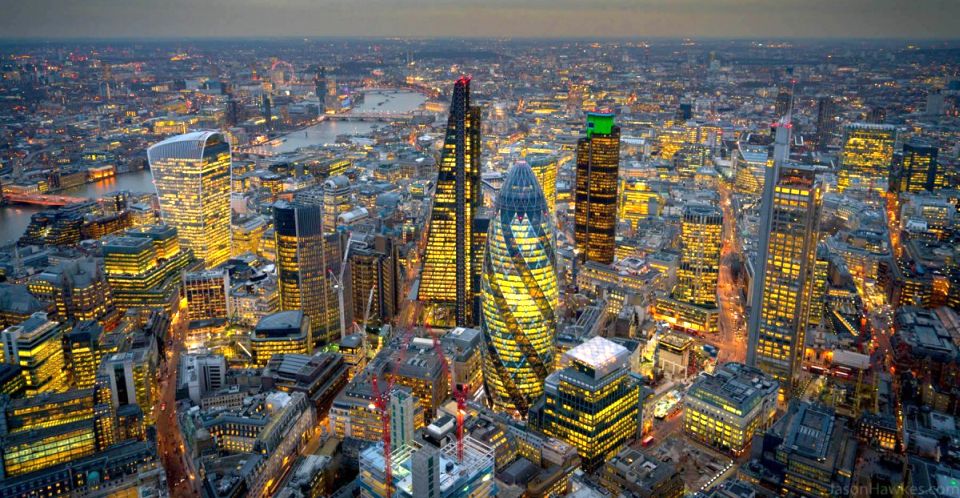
520	293
192	176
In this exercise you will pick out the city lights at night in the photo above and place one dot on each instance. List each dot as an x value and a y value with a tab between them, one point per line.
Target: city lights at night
444	249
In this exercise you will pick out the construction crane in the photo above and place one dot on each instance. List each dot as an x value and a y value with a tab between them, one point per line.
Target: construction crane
381	403
338	286
458	391
366	310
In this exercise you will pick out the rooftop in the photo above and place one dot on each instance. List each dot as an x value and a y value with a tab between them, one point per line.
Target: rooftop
600	354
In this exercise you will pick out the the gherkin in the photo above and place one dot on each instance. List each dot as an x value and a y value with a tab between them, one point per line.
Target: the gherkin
520	293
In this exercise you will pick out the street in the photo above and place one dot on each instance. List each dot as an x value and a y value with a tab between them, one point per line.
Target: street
182	481
732	340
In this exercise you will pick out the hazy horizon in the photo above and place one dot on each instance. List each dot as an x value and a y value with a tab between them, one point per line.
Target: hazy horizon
532	19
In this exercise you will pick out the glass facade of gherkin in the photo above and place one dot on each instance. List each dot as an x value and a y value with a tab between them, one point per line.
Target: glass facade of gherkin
520	294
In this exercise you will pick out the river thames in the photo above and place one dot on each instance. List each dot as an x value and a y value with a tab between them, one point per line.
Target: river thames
15	218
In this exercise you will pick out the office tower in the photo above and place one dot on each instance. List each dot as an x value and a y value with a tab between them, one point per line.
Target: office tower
466	360
481	228
248	234
333	95
42	431
877	115
545	167
375	279
336	201
206	292
784	101
232	114
934	104
826	121
812	452
192	176
423	372
598	164
818	296
785	271
131	377
402	407
638	202
266	111
724	409
701	236
592	402
632	472
320	89
866	157
36	346
78	288
692	306
82	353
143	267
684	112
520	293
448	266
919	169
203	374
305	257
286	332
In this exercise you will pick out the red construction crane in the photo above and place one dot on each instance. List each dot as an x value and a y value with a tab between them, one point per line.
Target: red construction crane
459	392
381	403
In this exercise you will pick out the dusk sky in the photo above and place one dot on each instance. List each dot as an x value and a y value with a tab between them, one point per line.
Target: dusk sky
464	18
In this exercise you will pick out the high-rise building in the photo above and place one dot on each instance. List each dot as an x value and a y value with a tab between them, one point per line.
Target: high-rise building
866	157
592	402
206	292
36	346
545	166
451	260
143	267
826	121
131	377
520	293
375	278
82	353
784	285
784	101
693	304
935	101
785	264
598	166
320	89
701	234
305	257
42	431
336	201
638	202
919	170
192	176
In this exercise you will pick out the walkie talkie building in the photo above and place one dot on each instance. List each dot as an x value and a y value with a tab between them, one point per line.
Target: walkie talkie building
520	293
192	176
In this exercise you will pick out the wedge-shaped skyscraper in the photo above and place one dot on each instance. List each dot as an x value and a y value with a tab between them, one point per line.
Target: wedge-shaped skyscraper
452	260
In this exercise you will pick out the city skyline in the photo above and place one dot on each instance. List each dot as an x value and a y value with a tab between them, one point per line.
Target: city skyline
890	19
475	267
